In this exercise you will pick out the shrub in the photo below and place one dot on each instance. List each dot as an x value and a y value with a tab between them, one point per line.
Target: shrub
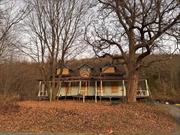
8	104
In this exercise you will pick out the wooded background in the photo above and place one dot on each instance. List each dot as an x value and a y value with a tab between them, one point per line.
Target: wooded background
21	78
38	35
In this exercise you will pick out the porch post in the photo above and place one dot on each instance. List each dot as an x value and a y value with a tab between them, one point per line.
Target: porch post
147	88
95	91
79	90
66	89
59	90
79	87
84	91
40	89
124	89
101	89
69	87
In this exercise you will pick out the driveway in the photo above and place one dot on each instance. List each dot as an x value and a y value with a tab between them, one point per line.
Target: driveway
175	113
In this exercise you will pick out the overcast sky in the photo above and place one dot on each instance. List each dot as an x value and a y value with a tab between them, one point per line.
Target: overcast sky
169	44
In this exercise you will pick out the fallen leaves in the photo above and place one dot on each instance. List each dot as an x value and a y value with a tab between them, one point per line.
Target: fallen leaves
72	116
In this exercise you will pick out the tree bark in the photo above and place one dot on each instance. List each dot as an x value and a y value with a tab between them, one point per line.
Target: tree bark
52	75
133	79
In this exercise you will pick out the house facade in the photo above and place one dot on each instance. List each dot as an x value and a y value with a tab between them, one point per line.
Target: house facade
105	81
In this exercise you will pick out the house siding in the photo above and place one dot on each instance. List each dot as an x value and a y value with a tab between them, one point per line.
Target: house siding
108	89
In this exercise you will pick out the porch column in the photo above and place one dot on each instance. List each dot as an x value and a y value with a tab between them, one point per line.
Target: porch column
40	88
95	91
124	89
66	89
147	88
69	88
79	87
59	90
85	90
101	89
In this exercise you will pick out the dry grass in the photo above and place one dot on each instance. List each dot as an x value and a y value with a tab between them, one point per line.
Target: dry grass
8	104
73	117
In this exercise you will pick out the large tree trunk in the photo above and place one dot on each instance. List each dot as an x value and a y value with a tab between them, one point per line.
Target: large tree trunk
52	92
53	89
133	79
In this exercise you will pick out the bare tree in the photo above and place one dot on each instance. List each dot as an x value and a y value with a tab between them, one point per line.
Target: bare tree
9	18
133	29
55	27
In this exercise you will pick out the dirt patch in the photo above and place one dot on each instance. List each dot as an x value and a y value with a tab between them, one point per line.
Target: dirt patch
71	116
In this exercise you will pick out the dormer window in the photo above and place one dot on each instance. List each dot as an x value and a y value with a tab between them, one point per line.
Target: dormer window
65	71
85	70
108	69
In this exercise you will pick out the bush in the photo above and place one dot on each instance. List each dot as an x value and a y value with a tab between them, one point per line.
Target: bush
8	104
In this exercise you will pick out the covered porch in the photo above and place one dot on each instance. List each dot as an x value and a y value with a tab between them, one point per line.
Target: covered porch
97	88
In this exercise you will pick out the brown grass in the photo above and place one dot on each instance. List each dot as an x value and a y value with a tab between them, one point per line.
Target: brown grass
8	104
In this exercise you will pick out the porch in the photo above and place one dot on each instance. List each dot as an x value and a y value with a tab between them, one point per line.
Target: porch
97	88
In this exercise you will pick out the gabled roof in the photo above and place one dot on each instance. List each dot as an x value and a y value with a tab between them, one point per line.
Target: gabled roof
95	64
85	65
64	65
107	65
